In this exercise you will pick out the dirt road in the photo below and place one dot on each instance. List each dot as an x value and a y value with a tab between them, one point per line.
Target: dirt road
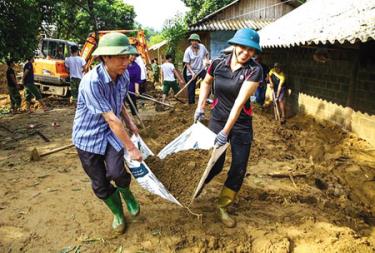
309	188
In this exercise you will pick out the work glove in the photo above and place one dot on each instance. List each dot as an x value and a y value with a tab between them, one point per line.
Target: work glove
198	115
221	139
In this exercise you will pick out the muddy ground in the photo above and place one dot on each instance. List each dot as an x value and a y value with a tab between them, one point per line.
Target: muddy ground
310	187
180	172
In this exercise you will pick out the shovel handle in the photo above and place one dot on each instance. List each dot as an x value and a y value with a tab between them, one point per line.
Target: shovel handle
275	107
136	111
57	150
186	85
151	99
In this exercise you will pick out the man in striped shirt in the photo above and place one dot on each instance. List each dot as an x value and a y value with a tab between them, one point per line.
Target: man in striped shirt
98	132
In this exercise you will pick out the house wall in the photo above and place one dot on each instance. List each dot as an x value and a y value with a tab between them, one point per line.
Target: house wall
257	9
340	90
219	41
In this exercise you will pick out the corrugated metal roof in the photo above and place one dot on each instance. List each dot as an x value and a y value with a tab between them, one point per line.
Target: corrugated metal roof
230	24
158	45
322	21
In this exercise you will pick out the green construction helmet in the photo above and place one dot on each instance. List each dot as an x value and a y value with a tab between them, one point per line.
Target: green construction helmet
194	36
133	50
113	43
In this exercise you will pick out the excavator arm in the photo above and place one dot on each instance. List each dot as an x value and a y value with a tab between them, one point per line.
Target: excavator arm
92	41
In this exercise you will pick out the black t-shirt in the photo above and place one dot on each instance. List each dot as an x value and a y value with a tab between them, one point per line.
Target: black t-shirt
30	76
10	74
226	87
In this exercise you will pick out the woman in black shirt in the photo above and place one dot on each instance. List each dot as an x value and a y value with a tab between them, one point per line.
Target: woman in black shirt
232	79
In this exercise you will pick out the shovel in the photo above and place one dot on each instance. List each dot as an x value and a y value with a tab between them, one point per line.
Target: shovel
35	156
136	111
275	107
186	85
215	154
151	99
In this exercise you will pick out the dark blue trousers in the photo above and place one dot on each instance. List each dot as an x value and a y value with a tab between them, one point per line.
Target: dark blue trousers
102	169
240	143
192	86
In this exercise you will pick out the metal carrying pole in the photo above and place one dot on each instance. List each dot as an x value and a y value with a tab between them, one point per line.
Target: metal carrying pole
135	109
151	99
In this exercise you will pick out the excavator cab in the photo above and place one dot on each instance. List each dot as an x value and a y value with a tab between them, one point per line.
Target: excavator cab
49	66
56	49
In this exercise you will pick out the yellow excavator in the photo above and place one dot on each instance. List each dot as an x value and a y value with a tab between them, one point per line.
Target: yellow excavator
49	67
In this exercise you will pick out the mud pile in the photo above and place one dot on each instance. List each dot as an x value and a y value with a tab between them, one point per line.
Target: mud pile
287	203
180	172
167	126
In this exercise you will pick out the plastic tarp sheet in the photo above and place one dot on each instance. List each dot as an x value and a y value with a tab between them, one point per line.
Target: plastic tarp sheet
196	136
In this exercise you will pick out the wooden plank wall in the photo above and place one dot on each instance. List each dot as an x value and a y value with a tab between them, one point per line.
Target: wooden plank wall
255	9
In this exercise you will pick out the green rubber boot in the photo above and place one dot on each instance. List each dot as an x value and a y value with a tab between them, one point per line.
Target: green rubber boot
225	199
131	202
114	204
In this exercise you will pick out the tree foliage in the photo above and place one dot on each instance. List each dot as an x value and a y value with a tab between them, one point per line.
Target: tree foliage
174	31
19	27
76	19
176	28
155	39
201	8
22	21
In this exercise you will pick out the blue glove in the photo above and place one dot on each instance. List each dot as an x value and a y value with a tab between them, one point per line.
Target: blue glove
221	139
198	115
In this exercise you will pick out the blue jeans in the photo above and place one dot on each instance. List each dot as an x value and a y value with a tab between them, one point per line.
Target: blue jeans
240	143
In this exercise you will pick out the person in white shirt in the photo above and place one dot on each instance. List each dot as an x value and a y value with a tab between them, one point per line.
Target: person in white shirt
195	59
168	77
74	64
142	84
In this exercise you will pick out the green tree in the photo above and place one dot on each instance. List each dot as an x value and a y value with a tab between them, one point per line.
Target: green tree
174	31
74	20
20	21
155	39
149	31
201	8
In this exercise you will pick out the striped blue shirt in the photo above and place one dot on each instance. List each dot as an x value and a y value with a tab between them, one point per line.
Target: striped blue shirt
98	94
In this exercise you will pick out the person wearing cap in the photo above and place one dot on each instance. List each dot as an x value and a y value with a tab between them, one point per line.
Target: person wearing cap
195	58
135	79
99	134
236	77
277	84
